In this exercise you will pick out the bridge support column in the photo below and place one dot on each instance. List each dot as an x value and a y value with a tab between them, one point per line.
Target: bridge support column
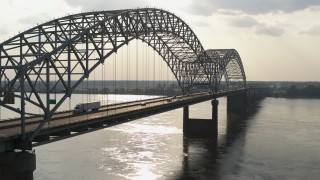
185	119
17	165
237	103
203	128
214	104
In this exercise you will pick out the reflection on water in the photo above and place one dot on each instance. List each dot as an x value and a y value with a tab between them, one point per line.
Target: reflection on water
200	159
202	156
279	140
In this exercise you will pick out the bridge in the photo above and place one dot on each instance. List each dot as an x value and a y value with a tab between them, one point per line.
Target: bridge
66	51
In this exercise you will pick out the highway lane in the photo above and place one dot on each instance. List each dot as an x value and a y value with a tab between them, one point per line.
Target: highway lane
15	129
30	120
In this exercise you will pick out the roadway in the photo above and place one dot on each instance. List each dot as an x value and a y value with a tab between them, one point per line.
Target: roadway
13	127
67	122
35	119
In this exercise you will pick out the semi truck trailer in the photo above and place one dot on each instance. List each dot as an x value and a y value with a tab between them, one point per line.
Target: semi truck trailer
84	107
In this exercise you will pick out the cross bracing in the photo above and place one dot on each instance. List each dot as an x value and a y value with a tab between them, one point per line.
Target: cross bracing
229	65
72	47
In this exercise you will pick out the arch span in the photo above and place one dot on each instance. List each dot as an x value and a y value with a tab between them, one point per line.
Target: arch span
63	50
230	67
71	47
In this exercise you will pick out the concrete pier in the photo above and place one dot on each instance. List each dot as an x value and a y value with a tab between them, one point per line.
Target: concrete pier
241	103
206	128
214	105
237	103
17	165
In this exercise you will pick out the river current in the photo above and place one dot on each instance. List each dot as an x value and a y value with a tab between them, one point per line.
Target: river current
279	139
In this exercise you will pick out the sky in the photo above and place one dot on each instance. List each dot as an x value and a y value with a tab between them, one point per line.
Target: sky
278	40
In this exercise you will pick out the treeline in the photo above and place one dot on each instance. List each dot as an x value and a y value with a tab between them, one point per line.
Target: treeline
137	91
310	91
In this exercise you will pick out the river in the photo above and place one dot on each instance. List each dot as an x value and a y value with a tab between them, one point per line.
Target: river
278	140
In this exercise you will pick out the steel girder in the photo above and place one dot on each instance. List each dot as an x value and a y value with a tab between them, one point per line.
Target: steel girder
65	49
70	48
230	67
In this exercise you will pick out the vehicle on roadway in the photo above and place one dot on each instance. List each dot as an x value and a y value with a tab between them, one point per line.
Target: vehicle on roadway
84	107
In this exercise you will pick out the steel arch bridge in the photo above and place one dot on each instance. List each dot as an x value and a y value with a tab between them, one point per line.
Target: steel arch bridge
229	66
65	49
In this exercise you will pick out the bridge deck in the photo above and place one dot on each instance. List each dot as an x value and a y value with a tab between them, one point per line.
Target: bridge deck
10	130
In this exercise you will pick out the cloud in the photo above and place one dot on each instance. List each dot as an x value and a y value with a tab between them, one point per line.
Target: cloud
3	30
228	12
200	24
315	8
260	27
35	19
106	4
200	7
208	7
244	21
269	30
314	30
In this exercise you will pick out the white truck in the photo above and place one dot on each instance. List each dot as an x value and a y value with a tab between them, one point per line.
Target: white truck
84	107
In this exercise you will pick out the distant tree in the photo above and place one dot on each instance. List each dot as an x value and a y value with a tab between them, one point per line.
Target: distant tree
292	91
105	90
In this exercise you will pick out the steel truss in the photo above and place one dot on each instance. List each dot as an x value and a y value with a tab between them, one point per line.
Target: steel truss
65	49
229	66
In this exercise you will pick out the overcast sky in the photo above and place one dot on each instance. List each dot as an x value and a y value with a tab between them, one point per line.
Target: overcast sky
277	40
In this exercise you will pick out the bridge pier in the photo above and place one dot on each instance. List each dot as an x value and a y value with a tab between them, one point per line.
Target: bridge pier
255	95
17	165
237	103
207	128
241	103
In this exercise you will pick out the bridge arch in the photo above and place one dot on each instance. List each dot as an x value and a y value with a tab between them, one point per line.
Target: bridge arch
64	48
230	67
